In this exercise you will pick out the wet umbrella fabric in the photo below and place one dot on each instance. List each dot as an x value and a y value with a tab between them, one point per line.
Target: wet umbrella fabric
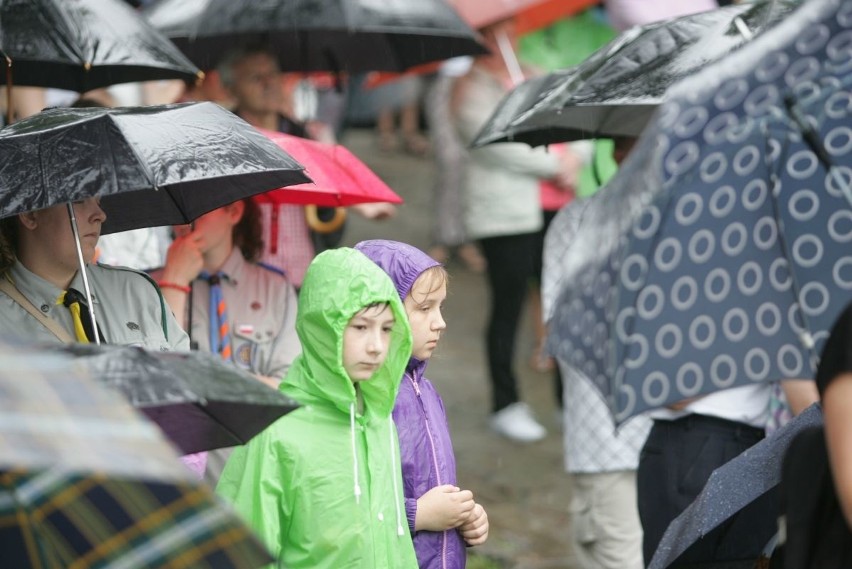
199	402
339	177
732	488
151	166
85	482
319	35
615	91
85	44
730	247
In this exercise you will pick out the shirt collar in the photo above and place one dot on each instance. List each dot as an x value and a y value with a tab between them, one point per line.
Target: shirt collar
40	291
233	266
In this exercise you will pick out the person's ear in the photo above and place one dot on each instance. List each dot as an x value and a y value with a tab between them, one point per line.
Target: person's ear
28	220
235	211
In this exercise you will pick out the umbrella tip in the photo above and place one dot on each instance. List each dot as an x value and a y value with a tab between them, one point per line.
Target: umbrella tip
87	66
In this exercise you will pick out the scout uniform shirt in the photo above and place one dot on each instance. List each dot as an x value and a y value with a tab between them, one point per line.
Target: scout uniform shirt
261	306
128	309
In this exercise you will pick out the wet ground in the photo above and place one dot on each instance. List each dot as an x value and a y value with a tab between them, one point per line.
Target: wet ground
523	487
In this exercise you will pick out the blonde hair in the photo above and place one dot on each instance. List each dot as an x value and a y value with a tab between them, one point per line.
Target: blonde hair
434	278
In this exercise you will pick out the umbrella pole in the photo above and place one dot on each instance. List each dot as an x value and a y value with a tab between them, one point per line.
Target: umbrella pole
8	90
509	57
82	262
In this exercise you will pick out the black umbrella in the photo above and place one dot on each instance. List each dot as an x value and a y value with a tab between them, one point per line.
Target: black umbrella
151	166
199	402
720	512
319	35
84	44
86	482
615	90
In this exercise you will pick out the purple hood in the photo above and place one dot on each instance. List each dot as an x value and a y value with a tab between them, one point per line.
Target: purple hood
424	436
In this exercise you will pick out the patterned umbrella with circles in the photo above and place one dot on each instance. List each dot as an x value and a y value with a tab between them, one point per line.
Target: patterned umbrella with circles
730	257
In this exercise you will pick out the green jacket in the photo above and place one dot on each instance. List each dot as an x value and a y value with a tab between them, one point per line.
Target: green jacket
322	486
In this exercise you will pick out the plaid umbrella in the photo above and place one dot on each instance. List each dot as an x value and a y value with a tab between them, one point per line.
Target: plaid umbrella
85	483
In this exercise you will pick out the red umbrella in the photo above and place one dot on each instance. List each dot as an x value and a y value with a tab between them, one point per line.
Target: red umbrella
340	178
529	14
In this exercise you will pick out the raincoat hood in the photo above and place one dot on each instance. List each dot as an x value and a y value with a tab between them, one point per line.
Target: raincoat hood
337	285
403	263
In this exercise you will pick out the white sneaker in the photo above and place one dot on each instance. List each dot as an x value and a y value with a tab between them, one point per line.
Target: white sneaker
516	422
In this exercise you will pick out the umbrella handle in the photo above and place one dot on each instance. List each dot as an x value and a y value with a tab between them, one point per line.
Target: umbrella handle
320	226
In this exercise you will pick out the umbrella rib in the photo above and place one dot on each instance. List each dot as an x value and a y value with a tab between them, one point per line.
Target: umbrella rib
233	434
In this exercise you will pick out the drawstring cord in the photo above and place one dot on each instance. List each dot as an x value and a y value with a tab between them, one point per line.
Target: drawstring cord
395	474
354	452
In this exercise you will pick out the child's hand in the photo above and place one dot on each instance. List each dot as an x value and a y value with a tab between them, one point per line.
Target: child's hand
442	508
475	529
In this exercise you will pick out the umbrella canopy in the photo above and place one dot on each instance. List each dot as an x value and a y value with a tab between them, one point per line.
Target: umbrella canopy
728	493
318	35
721	248
84	44
152	166
615	91
199	402
339	177
85	483
528	14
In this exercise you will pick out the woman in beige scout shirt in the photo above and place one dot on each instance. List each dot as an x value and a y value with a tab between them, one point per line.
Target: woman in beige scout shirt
40	268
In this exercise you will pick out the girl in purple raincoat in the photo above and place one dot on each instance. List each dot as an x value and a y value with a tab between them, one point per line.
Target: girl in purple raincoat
443	519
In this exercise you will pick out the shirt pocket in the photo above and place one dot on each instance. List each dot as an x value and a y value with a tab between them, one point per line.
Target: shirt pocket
250	347
133	334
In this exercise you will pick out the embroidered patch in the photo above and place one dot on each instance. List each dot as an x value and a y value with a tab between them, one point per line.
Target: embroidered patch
242	355
133	325
245	329
256	305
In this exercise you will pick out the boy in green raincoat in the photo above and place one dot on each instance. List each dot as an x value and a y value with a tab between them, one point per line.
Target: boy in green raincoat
322	486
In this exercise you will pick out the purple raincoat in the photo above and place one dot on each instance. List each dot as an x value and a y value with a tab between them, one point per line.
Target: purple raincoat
424	435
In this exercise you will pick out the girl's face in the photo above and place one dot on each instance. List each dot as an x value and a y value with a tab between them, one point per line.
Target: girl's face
214	229
366	340
423	306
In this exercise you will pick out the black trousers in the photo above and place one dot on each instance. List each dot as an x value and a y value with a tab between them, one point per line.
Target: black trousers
511	267
675	463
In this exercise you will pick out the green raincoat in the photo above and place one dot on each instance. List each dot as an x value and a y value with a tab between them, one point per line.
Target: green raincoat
322	486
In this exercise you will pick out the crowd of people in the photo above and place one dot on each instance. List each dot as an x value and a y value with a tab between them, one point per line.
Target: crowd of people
364	473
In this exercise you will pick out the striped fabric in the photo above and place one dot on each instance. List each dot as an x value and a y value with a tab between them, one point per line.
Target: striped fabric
220	328
85	483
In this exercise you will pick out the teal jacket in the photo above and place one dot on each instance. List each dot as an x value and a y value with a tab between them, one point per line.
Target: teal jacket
322	486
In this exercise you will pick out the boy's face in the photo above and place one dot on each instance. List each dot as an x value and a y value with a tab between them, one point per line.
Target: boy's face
366	341
423	306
